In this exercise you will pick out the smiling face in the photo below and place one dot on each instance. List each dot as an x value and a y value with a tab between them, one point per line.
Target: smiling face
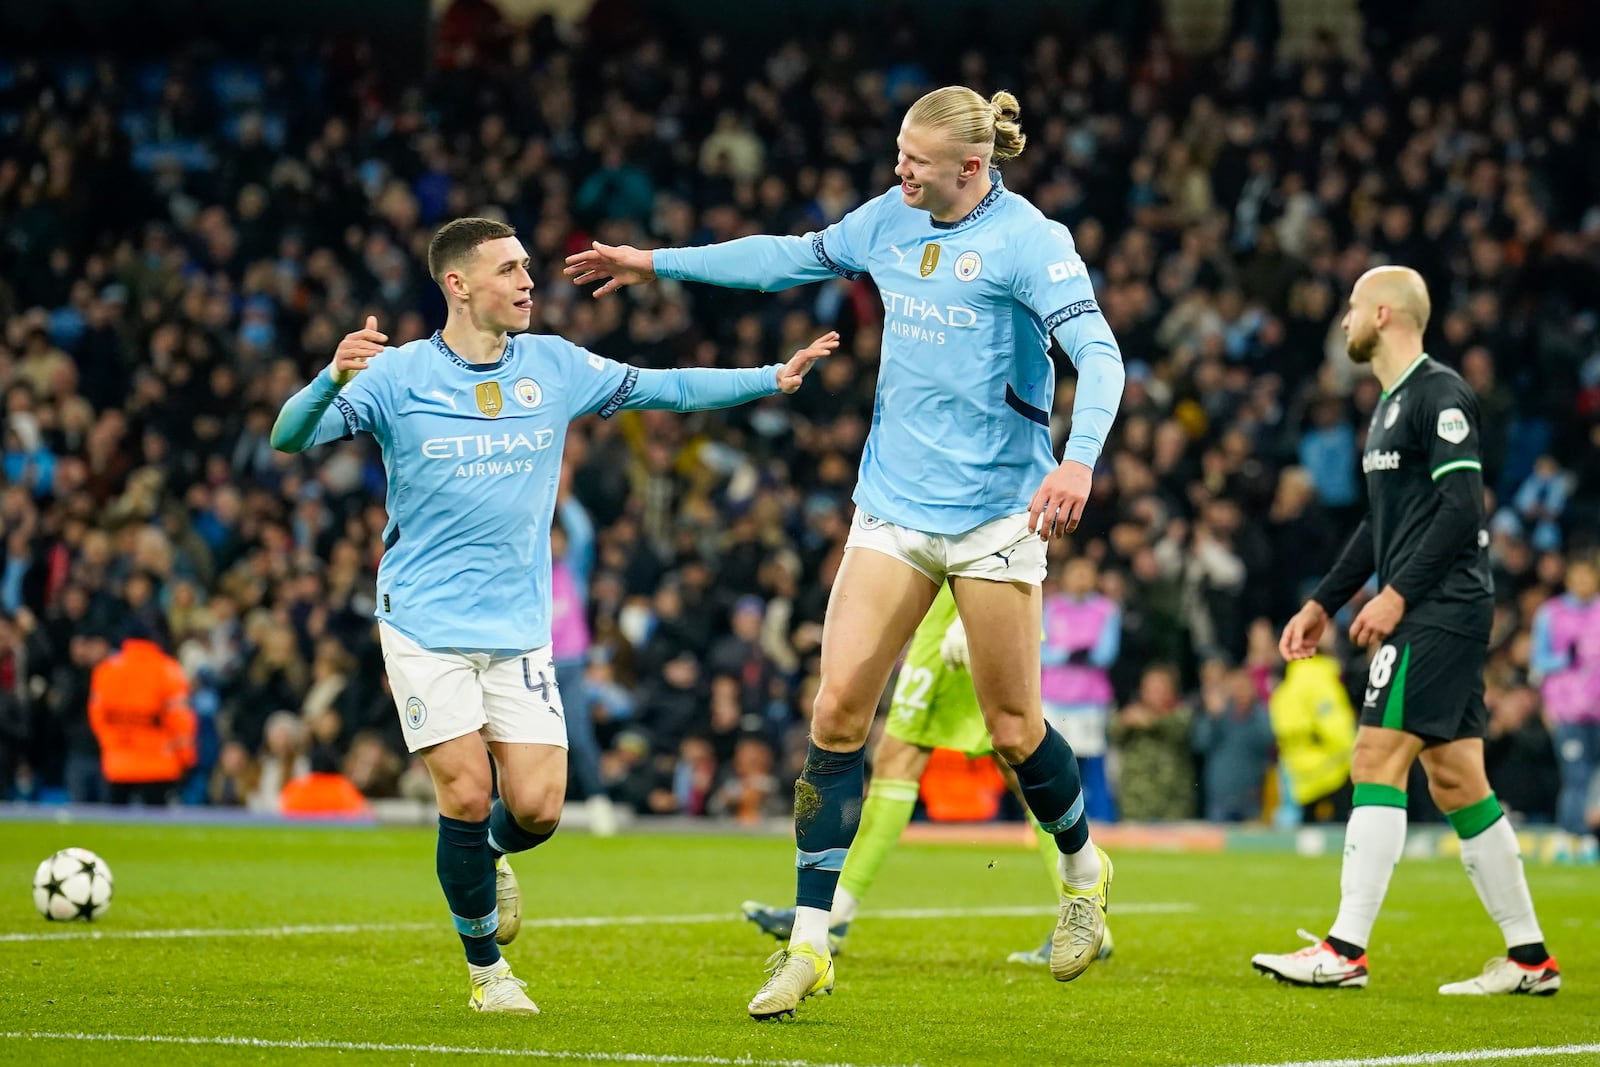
494	282
932	169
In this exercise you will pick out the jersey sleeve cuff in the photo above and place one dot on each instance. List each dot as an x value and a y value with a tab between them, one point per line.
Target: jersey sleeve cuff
630	381
819	250
1083	450
323	387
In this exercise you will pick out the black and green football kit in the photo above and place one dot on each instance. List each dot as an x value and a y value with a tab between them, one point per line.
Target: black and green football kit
1424	535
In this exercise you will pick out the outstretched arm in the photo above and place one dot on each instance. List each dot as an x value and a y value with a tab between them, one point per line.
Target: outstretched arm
702	388
764	263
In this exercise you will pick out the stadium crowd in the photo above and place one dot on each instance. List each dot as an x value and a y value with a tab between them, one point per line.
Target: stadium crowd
183	242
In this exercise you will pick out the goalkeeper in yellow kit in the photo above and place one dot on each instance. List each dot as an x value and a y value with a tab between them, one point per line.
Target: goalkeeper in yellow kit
934	706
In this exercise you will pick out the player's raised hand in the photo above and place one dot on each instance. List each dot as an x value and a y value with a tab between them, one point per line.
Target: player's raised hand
616	265
1059	503
792	373
351	357
1304	632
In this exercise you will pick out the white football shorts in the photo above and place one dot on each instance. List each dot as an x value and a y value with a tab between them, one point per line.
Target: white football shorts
443	695
1001	550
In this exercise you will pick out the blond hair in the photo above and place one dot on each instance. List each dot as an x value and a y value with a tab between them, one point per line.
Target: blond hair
968	119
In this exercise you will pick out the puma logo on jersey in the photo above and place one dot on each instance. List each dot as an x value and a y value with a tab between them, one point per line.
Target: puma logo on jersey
900	257
448	399
1380	461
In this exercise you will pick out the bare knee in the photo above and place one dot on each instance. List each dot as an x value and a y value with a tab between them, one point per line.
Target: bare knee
1456	778
1015	735
1383	758
837	724
462	780
464	799
537	810
1452	790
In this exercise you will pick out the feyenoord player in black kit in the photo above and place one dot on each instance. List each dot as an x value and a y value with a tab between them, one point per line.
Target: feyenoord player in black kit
1428	631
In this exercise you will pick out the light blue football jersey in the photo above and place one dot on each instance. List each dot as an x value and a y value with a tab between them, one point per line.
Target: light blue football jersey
473	457
960	431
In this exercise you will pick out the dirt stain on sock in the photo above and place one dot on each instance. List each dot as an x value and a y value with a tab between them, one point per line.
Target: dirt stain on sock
807	802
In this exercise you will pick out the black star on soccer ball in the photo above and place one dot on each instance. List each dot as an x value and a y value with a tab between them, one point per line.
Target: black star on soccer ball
53	887
86	911
88	867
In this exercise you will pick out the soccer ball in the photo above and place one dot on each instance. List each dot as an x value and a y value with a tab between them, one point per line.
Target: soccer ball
72	884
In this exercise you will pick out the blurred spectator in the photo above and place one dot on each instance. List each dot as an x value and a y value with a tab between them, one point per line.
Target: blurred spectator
16	716
1155	775
67	706
283	758
572	551
1315	729
1566	665
1542	500
1328	454
234	779
139	711
372	767
1082	638
1232	734
750	791
1518	755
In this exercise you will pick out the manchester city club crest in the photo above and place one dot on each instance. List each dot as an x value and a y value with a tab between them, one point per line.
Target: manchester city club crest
527	392
416	713
968	265
870	522
489	400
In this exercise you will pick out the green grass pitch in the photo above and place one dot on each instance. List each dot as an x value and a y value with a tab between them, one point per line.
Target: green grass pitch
387	984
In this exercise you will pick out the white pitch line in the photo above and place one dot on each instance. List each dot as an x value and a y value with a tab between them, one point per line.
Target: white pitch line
559	922
1477	1055
437	1050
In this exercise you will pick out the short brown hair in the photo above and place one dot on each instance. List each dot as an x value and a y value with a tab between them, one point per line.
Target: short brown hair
456	239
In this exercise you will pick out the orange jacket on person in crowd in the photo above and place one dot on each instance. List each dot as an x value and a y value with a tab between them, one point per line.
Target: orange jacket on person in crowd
139	711
324	795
